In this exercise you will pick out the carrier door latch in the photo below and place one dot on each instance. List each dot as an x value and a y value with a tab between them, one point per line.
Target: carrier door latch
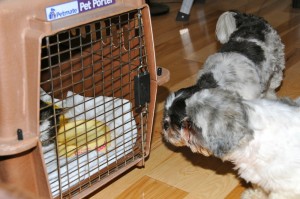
142	89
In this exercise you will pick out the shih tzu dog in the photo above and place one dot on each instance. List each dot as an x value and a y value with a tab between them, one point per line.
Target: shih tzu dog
260	136
250	62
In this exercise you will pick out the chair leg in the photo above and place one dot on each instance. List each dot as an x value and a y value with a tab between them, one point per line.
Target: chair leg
184	13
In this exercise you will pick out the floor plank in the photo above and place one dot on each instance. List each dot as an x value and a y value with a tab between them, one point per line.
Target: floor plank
149	188
236	192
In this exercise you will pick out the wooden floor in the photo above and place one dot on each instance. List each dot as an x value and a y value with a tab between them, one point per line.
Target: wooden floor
182	48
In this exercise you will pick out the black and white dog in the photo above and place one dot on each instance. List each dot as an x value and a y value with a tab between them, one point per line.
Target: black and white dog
250	62
260	136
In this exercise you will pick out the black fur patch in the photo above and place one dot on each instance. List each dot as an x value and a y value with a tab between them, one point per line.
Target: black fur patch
207	80
177	110
250	27
249	49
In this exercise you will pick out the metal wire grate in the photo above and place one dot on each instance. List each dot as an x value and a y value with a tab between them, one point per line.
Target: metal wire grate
89	126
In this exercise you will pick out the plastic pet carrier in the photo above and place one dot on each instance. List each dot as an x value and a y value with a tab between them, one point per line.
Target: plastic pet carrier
78	84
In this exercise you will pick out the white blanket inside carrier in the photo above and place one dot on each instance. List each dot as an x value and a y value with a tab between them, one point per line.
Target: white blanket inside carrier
63	173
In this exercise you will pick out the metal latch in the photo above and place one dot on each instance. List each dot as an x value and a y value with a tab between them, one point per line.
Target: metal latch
142	89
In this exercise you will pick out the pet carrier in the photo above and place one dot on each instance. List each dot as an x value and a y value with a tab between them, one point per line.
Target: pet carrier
78	84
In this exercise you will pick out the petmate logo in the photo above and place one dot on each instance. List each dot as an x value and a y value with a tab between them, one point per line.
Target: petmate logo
62	10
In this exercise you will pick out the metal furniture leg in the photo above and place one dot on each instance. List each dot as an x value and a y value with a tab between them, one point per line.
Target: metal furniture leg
184	12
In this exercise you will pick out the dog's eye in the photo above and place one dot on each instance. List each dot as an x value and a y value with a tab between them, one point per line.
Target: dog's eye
166	125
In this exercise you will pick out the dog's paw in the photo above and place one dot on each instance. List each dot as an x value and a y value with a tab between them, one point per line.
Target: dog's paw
254	194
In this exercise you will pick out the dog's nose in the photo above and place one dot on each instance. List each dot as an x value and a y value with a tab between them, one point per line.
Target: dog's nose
166	125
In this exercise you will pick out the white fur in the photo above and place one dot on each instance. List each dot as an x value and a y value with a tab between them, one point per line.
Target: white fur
169	100
260	136
225	26
272	159
44	128
234	72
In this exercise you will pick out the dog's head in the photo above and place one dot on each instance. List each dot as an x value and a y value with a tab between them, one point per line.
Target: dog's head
175	125
219	122
174	122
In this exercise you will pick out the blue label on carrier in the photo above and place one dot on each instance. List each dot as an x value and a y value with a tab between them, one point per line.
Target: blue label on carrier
75	7
62	10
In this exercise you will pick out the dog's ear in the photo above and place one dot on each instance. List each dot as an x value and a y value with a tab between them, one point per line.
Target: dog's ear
186	129
193	137
228	132
223	119
175	105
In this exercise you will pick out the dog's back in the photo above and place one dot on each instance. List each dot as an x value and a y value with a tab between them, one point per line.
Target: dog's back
254	38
